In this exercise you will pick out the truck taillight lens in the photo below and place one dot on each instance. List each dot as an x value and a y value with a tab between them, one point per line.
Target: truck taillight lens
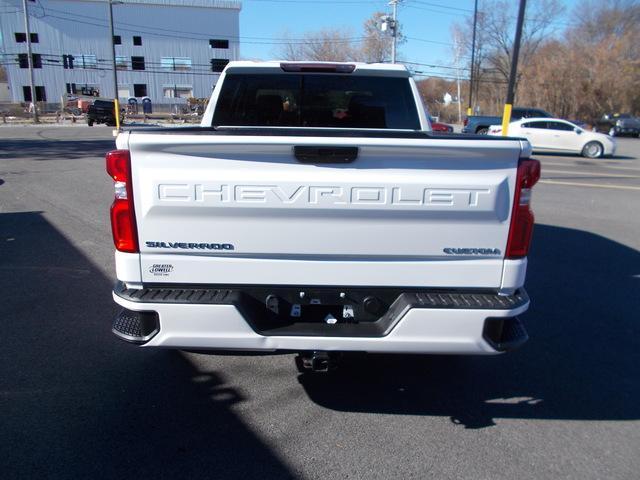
522	217
123	220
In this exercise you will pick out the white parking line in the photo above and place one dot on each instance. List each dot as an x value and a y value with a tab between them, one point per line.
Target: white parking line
596	174
589	185
590	165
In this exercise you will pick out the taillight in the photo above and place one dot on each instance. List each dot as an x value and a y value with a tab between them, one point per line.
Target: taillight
123	220
522	217
465	122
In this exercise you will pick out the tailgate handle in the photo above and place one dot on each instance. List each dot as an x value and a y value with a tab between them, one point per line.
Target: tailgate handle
307	154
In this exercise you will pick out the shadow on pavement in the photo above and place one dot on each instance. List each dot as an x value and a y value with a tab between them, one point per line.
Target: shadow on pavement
77	403
581	362
54	149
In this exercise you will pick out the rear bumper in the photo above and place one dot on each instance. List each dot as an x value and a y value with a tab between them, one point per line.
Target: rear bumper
417	322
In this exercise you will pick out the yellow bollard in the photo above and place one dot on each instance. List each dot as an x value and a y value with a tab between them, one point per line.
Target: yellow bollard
116	107
506	118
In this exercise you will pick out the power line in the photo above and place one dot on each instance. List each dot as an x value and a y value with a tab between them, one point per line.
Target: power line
452	11
205	72
429	41
179	32
275	41
53	57
433	10
418	73
437	66
235	39
56	58
283	41
439	5
333	2
128	69
310	41
181	35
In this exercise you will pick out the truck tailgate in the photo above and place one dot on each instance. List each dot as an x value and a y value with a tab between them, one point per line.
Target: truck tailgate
230	209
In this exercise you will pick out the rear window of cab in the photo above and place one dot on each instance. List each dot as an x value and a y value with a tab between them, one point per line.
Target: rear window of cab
316	100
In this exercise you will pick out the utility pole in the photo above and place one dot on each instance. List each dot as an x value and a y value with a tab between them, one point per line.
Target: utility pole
394	29
116	105
506	117
459	99
473	55
391	23
36	119
457	47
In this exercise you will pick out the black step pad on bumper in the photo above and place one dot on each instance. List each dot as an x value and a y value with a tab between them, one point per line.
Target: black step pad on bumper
472	300
136	327
211	296
391	305
424	298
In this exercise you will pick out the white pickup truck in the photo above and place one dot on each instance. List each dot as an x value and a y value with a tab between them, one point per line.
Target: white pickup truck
314	211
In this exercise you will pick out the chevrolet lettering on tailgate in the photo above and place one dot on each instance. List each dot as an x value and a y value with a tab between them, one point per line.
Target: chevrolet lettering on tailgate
401	196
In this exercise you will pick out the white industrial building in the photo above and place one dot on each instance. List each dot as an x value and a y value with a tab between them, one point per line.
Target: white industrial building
164	48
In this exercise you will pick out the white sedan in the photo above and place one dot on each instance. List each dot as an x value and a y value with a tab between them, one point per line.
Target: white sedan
556	135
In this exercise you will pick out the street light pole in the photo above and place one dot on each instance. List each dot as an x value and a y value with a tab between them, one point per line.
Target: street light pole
506	117
116	105
473	55
36	119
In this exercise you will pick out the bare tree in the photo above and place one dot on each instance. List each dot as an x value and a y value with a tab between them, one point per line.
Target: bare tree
338	44
482	73
594	69
494	41
598	20
498	21
290	49
331	44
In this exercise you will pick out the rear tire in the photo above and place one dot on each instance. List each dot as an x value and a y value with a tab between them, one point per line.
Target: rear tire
482	131
593	150
90	123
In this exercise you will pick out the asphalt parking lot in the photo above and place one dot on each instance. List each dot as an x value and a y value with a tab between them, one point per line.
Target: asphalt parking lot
77	403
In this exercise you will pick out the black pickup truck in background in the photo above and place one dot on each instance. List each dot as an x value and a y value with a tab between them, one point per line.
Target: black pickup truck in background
619	124
102	111
481	123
